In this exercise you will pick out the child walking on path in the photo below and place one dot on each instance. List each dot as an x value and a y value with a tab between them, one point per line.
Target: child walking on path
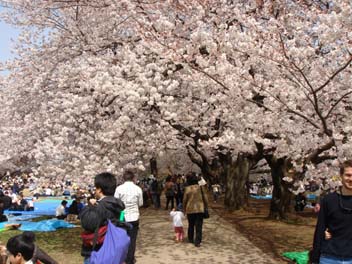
177	216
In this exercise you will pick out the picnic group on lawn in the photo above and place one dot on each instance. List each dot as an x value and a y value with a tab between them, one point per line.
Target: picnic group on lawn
110	220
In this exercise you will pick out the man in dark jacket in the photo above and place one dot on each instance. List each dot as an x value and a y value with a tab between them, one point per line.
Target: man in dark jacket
335	215
104	207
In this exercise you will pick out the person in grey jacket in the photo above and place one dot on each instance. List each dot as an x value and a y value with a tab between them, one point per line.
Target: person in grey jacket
194	206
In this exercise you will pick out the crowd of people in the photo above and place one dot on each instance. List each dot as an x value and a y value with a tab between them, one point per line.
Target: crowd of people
106	201
186	198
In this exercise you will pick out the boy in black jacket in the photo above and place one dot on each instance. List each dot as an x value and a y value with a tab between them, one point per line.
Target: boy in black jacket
105	207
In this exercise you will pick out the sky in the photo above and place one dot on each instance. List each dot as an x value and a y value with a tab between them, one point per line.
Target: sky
7	33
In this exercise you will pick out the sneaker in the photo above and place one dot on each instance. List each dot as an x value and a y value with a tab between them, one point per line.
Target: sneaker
197	245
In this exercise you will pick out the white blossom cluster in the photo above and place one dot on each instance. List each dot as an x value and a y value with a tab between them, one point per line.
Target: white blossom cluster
103	85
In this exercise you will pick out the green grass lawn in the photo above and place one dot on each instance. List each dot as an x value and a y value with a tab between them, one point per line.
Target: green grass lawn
64	245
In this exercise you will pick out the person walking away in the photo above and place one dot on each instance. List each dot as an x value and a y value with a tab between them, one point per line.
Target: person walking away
99	210
132	196
177	217
194	206
300	202
169	192
216	191
179	186
335	215
154	191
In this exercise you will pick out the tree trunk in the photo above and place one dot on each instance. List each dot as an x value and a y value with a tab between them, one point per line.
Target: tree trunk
236	176
153	167
280	203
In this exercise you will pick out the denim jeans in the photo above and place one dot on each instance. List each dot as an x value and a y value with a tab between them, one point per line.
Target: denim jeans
156	200
86	260
334	260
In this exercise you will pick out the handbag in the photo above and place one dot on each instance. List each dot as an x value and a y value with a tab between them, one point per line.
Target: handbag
115	247
206	211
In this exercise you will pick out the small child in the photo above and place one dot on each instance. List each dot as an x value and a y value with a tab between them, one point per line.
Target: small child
177	216
21	249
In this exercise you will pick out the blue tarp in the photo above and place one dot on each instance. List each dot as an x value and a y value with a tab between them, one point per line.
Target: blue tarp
268	196
41	226
41	207
263	197
311	196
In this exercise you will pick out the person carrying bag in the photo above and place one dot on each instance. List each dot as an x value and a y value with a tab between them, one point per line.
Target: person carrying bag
115	247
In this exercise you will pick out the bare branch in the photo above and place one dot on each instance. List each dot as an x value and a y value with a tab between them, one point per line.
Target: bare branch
314	156
334	75
337	102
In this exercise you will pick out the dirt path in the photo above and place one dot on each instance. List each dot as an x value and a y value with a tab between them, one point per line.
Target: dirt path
222	243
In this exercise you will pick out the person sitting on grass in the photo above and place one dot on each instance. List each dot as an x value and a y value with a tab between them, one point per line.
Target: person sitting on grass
3	218
61	210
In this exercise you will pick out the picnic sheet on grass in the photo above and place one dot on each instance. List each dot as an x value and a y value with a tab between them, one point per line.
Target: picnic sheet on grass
262	197
41	226
298	257
41	207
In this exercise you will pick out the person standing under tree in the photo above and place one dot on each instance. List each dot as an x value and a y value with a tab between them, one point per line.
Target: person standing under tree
132	196
169	192
216	191
335	215
100	209
194	206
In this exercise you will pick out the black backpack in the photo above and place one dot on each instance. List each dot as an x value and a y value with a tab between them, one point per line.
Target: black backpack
92	217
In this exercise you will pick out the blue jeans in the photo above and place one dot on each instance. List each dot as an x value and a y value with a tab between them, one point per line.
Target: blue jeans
86	260
334	260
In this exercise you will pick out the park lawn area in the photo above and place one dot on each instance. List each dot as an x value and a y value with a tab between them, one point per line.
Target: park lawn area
64	245
272	236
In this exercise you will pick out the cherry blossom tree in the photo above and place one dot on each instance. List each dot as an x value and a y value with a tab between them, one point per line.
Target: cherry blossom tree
285	57
112	83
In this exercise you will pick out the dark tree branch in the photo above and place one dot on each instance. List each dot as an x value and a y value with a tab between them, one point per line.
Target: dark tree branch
337	102
193	158
314	156
334	75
